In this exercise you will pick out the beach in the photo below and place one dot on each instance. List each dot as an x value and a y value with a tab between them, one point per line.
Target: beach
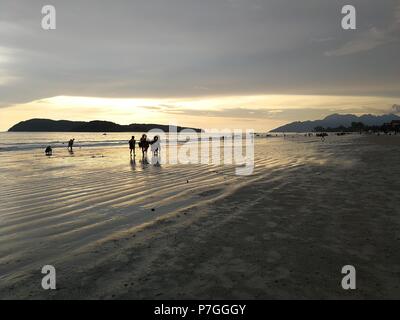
117	229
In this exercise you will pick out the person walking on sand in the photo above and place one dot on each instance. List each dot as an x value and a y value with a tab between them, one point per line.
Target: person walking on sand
132	145
144	145
71	144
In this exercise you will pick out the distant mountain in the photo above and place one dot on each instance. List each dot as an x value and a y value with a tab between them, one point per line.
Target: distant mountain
46	125
335	121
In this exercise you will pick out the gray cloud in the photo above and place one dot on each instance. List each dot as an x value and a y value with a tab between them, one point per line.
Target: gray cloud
291	114
372	38
178	48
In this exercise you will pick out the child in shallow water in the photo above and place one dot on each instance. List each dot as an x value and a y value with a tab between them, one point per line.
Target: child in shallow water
48	151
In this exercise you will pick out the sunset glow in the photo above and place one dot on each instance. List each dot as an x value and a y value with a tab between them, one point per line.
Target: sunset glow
259	112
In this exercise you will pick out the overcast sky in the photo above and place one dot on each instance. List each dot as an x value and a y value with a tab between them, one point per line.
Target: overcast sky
255	62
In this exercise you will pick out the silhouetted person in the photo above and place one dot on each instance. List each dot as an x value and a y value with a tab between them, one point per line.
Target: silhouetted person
144	145
48	151
132	145
71	144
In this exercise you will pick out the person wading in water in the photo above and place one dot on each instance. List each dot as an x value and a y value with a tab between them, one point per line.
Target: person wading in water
71	144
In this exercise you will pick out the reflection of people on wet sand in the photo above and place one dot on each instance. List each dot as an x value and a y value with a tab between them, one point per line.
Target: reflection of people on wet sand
71	144
155	160
322	136
132	145
133	163
48	151
144	145
155	146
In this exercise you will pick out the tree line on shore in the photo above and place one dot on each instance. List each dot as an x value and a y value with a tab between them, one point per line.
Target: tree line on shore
394	126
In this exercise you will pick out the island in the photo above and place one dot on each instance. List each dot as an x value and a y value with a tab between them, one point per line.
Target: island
341	122
47	125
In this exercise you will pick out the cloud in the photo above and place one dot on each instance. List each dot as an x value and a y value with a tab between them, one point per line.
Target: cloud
289	114
187	49
319	40
397	14
150	107
371	39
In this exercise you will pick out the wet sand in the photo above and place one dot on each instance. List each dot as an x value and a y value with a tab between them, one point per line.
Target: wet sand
284	233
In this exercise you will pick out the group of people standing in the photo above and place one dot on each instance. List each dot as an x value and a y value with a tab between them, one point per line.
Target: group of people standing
144	144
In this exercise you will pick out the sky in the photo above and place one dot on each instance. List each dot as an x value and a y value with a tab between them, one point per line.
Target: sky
254	64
